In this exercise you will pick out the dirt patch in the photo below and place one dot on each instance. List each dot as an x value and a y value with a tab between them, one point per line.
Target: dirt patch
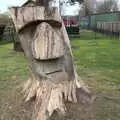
106	107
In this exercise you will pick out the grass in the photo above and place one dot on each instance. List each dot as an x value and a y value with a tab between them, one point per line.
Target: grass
13	71
98	58
97	61
11	63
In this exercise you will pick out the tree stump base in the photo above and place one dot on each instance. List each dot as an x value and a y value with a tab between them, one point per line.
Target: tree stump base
49	97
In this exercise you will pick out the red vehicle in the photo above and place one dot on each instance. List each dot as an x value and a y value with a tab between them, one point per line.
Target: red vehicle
70	22
71	25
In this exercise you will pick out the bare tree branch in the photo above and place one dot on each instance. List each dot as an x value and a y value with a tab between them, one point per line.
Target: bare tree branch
107	6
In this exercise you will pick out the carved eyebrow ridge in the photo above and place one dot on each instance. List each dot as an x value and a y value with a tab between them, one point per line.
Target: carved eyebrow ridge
52	23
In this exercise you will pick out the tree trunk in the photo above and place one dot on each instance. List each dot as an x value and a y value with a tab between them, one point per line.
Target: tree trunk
44	3
53	79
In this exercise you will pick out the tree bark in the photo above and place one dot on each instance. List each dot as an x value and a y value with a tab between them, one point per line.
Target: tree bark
44	3
53	79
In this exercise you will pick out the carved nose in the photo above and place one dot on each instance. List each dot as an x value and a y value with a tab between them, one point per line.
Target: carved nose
47	42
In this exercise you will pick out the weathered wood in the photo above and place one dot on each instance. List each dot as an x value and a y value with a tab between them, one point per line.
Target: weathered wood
47	42
25	15
53	78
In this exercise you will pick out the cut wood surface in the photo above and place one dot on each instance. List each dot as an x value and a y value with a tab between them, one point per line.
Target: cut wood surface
24	15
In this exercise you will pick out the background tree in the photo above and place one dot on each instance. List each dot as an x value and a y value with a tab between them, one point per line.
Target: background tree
107	6
4	21
88	7
46	2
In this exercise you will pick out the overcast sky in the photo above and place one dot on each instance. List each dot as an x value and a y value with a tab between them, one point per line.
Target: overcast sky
4	4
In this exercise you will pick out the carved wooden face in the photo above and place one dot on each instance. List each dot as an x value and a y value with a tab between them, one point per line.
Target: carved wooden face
46	39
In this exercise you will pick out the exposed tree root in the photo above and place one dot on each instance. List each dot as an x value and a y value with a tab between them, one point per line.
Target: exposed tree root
49	97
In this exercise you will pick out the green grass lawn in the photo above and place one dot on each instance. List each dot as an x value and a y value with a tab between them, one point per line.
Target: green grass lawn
97	61
98	58
12	64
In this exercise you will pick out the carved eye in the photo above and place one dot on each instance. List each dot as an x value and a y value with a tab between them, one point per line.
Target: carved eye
52	23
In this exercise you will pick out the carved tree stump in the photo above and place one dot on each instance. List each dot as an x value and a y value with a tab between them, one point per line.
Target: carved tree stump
53	79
